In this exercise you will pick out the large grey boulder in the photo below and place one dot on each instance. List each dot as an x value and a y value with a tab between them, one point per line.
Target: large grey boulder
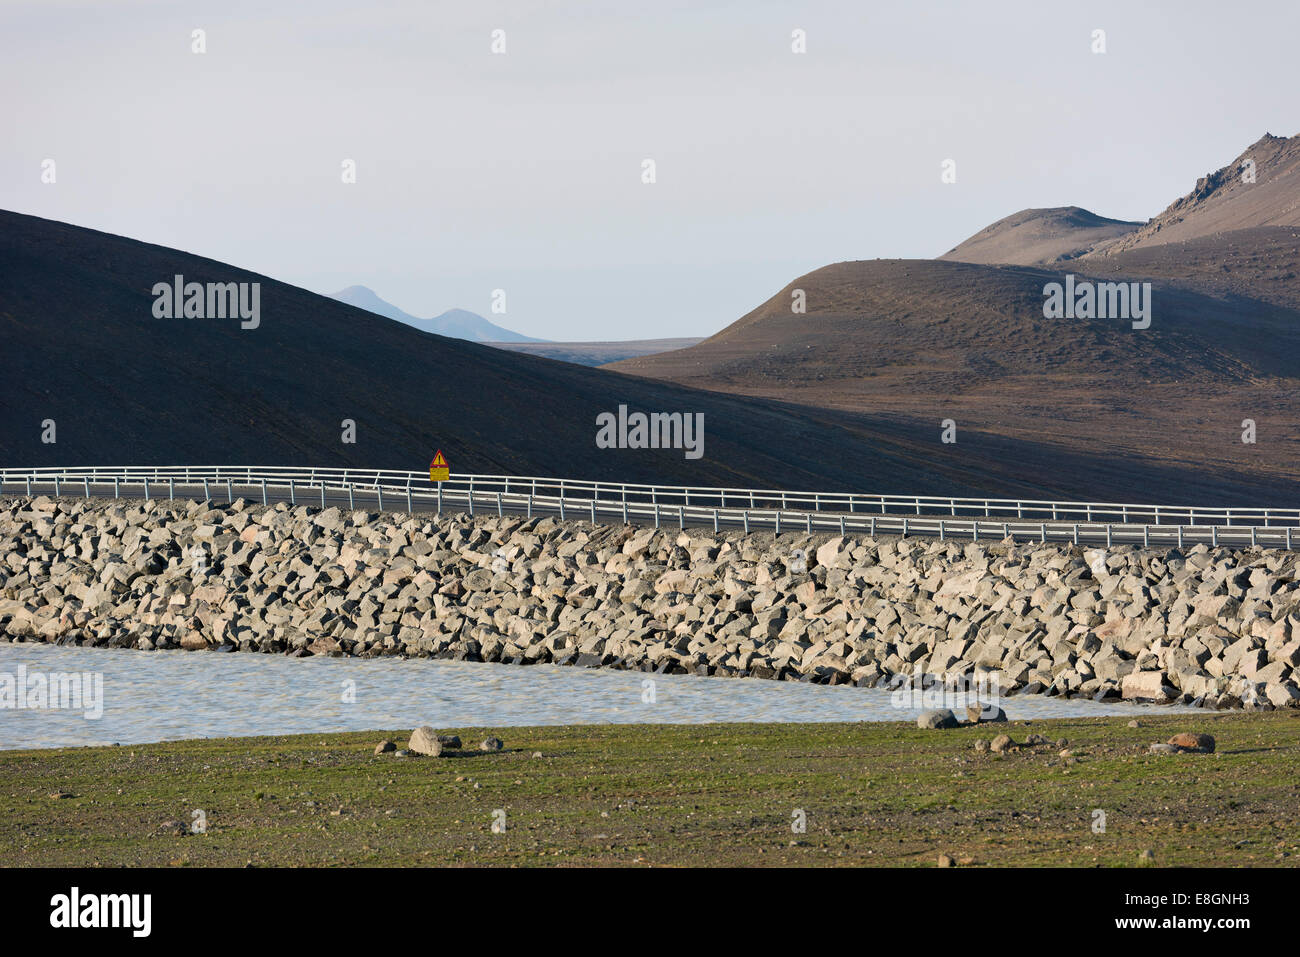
424	740
937	719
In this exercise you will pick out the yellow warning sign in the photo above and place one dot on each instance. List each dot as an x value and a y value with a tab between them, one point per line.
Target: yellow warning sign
439	471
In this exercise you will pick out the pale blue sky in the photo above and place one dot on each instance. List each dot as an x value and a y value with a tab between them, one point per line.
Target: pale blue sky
479	171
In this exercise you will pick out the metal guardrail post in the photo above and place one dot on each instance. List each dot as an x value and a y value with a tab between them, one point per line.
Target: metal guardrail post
29	486
530	505
56	486
1146	536
1252	536
1108	535
352	501
293	494
715	521
206	496
230	490
841	525
146	488
471	498
1076	533
115	495
1180	536
265	500
1042	532
501	508
86	479
1214	535
410	507
943	535
530	499
625	506
322	493
746	521
808	516
681	516
1006	531
171	489
778	523
656	512
873	526
379	493
593	509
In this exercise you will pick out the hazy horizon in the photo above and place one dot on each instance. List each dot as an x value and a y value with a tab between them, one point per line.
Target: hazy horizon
522	171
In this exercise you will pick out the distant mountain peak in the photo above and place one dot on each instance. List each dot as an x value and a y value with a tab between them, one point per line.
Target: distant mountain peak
456	323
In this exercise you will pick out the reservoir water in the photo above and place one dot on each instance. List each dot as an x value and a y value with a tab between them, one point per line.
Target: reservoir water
169	695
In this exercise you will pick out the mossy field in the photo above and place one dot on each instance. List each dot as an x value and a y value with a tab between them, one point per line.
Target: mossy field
675	795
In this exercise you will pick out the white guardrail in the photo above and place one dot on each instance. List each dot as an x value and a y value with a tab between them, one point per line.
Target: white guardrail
971	519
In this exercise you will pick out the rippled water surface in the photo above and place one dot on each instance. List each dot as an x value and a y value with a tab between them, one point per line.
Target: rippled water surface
168	695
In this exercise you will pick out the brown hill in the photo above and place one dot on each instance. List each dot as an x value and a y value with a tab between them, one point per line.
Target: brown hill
963	339
929	340
1225	201
1034	236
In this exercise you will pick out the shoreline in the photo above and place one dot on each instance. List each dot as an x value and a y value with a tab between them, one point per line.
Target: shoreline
653	795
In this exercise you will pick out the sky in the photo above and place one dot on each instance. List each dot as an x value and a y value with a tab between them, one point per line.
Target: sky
523	170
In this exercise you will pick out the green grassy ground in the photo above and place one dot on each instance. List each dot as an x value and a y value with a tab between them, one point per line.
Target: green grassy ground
882	794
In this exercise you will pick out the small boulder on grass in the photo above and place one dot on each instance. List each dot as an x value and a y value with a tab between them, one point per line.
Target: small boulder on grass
491	744
383	747
984	714
1001	743
1196	743
424	740
938	718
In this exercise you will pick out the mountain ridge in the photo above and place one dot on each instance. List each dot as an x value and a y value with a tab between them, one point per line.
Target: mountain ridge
457	323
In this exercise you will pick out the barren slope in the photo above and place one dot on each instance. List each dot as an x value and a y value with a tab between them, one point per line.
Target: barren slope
1223	201
1034	236
82	348
929	340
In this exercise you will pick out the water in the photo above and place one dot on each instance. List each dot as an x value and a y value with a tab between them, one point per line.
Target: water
170	695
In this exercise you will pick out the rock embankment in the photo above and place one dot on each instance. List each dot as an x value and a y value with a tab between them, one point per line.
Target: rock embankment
1210	626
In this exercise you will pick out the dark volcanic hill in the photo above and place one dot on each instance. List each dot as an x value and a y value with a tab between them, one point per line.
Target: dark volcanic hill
82	347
